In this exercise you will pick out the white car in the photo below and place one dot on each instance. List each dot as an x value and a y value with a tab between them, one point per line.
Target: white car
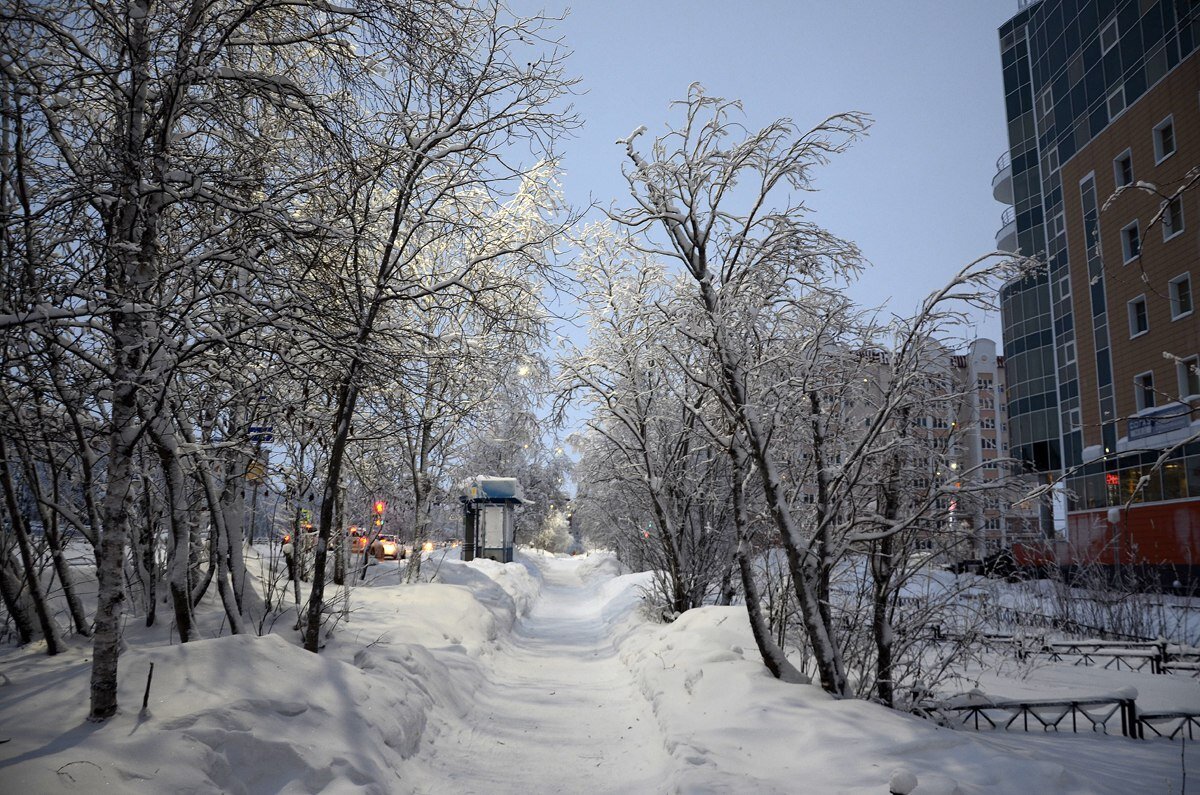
387	548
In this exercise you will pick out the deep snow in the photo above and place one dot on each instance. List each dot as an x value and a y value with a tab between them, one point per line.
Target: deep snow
538	676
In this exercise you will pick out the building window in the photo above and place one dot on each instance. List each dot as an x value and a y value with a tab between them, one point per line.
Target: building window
1131	242
1116	101
1108	36
1172	218
1069	352
1164	139
1139	320
940	423
1181	296
1058	225
987	444
1143	391
1074	419
1046	102
983	383
1063	286
1123	169
1188	371
988	423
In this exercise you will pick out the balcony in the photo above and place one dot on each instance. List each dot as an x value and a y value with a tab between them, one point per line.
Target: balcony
1006	238
1002	183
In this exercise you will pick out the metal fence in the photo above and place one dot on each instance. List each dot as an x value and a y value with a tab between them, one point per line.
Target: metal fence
1047	714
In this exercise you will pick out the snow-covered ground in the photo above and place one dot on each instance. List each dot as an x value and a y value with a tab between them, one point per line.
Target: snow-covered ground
532	677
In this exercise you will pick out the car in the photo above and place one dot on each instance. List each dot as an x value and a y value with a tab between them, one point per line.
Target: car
358	540
387	547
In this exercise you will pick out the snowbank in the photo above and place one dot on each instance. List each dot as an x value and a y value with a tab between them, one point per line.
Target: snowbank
599	566
733	728
233	714
247	714
519	581
418	679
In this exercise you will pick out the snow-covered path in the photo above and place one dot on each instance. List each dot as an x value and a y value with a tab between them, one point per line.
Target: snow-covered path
558	713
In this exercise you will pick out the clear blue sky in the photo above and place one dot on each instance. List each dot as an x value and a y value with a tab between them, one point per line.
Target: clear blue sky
915	195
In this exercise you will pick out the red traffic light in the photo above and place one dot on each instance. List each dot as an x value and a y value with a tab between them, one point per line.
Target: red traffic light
379	506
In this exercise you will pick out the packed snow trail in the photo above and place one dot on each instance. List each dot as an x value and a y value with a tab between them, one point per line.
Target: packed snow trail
559	711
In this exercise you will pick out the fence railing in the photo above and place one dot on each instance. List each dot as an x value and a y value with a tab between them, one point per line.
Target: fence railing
1094	714
1013	616
1153	656
1047	714
1169	724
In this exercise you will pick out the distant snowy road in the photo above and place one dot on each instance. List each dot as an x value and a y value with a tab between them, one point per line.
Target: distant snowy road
559	712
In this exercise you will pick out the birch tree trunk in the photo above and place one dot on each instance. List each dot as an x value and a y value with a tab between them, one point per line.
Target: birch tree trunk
16	600
772	655
346	403
167	447
50	631
130	257
49	512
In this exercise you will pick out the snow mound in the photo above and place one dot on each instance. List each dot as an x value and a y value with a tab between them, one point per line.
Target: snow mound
731	727
506	589
521	580
242	714
597	566
439	616
248	714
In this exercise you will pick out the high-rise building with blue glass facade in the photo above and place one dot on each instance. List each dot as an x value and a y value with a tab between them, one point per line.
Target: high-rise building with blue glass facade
1102	176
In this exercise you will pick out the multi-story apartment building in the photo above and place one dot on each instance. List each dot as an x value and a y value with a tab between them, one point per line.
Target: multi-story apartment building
978	379
965	424
1102	99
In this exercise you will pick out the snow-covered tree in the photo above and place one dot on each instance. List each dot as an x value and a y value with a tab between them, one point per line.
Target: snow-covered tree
206	205
724	205
647	428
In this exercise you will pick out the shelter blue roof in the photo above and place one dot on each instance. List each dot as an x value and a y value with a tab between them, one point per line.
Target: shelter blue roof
494	489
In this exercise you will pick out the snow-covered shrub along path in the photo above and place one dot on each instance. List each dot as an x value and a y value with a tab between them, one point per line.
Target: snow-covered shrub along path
558	710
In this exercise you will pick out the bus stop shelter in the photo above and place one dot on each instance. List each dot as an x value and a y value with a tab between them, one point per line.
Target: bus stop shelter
488	522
